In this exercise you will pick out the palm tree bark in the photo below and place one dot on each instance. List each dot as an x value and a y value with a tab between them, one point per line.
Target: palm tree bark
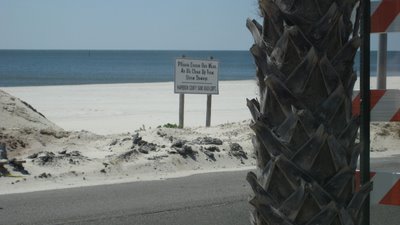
305	134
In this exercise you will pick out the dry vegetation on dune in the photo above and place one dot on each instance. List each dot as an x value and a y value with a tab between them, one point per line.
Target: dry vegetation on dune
60	158
57	158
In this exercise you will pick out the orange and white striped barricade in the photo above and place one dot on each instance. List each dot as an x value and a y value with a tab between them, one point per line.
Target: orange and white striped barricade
386	189
385	105
385	16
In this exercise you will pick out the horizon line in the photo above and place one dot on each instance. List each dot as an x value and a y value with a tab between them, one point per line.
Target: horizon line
117	49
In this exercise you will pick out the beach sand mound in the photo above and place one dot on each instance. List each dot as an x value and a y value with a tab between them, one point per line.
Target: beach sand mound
16	114
56	158
21	125
83	158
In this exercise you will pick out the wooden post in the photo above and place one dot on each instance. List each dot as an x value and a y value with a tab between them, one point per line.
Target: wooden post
181	110
208	113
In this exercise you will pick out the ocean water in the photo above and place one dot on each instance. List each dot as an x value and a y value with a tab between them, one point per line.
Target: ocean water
31	68
70	67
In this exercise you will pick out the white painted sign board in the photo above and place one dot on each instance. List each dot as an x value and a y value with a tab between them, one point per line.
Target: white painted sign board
196	76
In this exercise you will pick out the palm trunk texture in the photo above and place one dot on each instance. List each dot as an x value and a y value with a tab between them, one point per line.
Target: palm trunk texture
305	134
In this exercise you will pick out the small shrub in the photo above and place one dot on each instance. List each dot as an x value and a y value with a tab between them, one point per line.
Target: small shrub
170	125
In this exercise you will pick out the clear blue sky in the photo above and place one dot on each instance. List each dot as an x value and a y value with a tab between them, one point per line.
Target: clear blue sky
126	24
129	24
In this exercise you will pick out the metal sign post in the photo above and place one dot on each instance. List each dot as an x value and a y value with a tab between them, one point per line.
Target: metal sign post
208	111
365	102
181	107
181	110
382	61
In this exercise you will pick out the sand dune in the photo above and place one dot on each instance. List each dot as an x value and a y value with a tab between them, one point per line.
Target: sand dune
96	134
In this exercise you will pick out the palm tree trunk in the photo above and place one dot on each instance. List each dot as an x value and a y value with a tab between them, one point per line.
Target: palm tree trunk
305	135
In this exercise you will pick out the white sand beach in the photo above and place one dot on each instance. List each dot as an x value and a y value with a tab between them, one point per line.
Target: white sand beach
118	108
100	134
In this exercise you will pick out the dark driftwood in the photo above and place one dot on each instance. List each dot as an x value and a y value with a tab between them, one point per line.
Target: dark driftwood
16	164
304	130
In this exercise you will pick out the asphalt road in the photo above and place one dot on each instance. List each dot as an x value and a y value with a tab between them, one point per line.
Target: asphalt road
215	198
206	199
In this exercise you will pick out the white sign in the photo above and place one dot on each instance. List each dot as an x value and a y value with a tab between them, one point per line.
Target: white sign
196	76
